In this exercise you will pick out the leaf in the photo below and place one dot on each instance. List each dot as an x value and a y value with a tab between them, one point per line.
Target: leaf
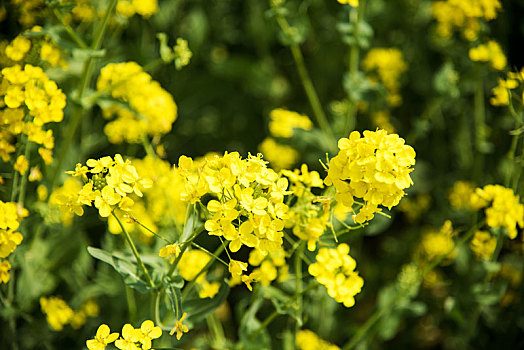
282	302
198	308
126	268
175	297
189	226
249	325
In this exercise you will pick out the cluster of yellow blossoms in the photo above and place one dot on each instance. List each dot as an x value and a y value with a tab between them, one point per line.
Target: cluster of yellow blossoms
375	167
464	15
335	269
389	65
435	244
282	122
352	3
10	216
144	8
501	92
131	339
28	47
307	218
152	109
279	156
490	52
483	245
29	89
460	195
59	314
503	208
190	266
108	183
308	340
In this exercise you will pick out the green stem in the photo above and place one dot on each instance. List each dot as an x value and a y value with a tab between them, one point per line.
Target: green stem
377	315
299	283
355	16
183	248
134	250
309	88
275	313
209	253
87	73
480	127
131	303
70	30
216	329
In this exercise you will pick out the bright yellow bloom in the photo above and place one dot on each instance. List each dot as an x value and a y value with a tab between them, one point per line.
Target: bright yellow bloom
335	269
501	92
153	109
308	340
179	328
282	122
144	8
490	52
460	195
389	65
18	48
130	336
375	167
149	332
57	311
170	249
437	243
503	208
5	266
102	338
21	164
483	245
464	15
280	156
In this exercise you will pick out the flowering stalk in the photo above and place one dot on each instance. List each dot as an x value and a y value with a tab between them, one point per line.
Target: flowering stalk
134	250
309	88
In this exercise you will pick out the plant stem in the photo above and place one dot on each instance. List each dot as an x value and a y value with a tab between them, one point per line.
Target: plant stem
131	303
70	30
23	183
183	248
299	283
309	88
134	250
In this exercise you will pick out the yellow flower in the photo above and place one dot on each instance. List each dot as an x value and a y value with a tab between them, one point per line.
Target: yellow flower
106	200
170	249
353	3
5	266
149	332
179	328
18	48
375	168
490	52
57	311
21	164
282	122
308	340
280	156
483	245
236	268
335	269
102	338
129	338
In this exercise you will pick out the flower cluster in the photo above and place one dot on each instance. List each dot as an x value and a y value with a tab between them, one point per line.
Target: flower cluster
144	8
131	339
503	208
308	340
490	52
190	267
108	183
352	3
501	92
375	167
270	268
435	244
59	314
307	218
463	15
335	269
282	122
389	65
152	109
22	47
10	216
279	156
460	195
483	245
29	89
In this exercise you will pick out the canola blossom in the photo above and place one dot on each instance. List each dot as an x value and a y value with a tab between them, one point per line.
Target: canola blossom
374	167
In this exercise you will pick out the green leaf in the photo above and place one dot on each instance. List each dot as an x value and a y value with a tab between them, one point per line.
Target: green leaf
249	325
198	308
175	297
127	269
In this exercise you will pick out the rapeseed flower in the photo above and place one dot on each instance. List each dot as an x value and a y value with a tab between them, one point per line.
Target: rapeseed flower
102	338
308	340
